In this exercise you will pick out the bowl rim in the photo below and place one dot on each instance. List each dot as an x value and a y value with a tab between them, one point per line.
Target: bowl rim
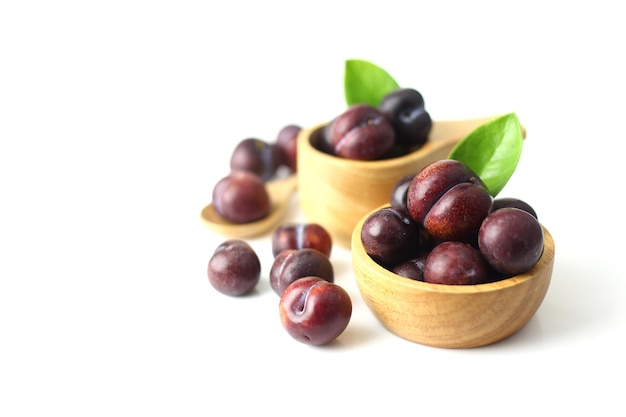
359	254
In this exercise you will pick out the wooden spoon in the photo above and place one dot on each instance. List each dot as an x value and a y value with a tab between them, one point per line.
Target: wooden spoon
280	191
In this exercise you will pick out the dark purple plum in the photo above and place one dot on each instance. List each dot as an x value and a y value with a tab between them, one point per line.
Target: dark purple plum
404	108
361	132
234	268
511	240
287	143
399	192
390	236
292	264
413	268
455	263
257	156
241	197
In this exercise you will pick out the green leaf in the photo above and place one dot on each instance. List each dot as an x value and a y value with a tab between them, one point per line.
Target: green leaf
366	83
492	151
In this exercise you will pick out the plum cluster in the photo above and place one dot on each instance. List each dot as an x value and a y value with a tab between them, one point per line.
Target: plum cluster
241	196
398	125
442	226
312	308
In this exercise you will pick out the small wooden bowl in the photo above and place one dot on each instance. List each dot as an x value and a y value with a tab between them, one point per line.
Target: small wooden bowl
336	192
451	316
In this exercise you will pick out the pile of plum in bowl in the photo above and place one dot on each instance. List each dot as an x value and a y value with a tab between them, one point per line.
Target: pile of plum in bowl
446	264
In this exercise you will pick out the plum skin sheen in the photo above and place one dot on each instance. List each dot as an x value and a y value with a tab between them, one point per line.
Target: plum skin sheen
314	311
511	240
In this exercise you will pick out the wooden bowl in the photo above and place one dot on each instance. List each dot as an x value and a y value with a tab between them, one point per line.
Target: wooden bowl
336	192
451	316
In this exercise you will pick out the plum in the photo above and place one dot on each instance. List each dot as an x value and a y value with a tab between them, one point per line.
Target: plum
455	263
234	268
287	143
361	132
390	236
449	200
314	311
412	268
503	202
292	264
404	108
511	240
301	236
399	192
257	156
458	214
241	197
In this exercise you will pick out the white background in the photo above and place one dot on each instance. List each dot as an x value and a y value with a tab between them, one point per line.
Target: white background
118	117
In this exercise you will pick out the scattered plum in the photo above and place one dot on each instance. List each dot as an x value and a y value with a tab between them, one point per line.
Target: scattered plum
301	236
292	264
314	311
234	268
